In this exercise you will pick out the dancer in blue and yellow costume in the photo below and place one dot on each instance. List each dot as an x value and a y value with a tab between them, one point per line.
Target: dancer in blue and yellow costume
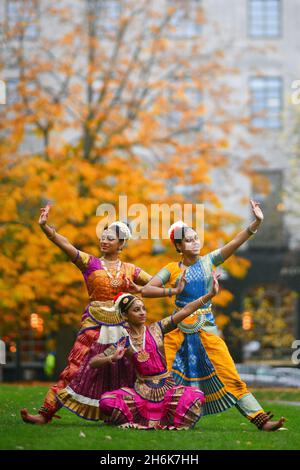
195	353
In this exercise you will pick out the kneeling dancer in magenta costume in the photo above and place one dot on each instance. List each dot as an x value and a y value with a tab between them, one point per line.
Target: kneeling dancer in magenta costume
155	401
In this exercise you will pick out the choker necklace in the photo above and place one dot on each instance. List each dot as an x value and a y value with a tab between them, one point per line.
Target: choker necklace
114	280
142	355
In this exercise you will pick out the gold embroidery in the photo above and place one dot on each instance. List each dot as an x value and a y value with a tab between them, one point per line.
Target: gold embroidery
155	388
143	278
82	260
105	312
167	325
109	351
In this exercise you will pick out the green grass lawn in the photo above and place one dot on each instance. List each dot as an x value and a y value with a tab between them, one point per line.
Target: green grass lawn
228	430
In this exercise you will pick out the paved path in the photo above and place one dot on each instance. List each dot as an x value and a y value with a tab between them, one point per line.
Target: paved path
283	402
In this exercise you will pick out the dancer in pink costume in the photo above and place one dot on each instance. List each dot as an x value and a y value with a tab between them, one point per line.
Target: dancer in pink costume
155	401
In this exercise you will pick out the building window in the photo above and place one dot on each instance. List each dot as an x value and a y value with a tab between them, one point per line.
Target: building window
22	18
264	18
186	21
266	102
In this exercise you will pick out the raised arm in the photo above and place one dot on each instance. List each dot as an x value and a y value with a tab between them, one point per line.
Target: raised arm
154	288
230	248
193	306
58	240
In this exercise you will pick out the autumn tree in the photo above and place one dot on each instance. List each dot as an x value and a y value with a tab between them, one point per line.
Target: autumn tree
109	99
270	321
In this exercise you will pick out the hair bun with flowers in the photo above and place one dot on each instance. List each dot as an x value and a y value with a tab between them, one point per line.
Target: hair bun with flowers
123	229
117	298
175	226
123	300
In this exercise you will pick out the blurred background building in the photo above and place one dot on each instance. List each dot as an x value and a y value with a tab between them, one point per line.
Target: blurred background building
264	88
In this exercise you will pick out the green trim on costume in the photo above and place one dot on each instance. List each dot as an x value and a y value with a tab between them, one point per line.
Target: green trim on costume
248	405
164	275
216	257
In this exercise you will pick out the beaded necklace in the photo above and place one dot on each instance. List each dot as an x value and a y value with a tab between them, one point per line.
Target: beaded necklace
114	280
142	355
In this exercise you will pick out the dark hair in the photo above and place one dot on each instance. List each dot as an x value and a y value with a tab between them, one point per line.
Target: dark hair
118	231
126	303
179	234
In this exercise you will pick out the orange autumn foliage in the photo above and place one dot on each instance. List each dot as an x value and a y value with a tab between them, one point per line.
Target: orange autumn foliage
100	112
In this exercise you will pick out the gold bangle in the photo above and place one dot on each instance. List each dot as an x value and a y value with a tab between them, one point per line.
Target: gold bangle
251	232
50	237
109	351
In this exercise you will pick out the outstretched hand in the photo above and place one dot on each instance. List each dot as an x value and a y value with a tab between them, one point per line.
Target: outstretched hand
258	213
131	287
44	214
181	283
120	351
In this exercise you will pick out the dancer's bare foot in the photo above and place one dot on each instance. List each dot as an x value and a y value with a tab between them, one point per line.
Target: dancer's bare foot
32	419
273	425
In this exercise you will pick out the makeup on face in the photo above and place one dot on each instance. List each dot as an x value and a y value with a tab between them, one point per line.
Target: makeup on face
137	313
109	240
191	241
